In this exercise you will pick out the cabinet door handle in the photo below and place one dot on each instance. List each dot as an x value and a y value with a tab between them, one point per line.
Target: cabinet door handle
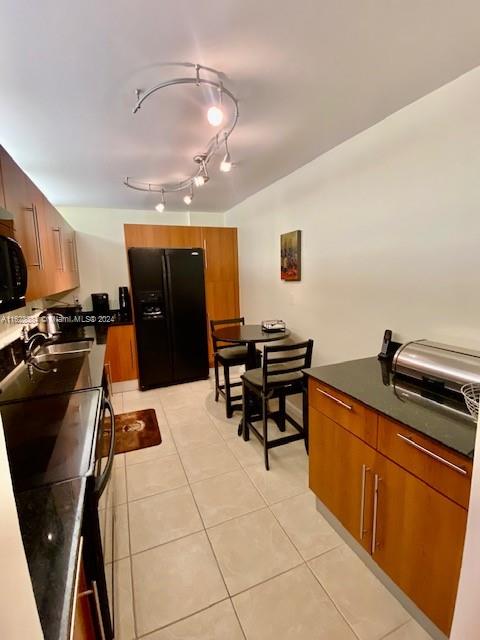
75	256
108	369
375	513
131	353
429	453
98	608
365	469
36	231
75	590
58	231
340	402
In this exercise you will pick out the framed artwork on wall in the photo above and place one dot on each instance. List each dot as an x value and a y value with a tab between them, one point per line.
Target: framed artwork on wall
290	255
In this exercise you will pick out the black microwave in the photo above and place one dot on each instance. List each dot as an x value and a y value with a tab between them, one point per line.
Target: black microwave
13	275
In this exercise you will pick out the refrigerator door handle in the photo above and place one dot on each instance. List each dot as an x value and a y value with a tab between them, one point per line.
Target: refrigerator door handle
169	306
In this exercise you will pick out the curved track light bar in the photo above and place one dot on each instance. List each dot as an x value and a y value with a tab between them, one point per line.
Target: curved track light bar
213	145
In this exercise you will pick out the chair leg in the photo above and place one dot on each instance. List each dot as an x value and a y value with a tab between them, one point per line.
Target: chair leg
281	412
245	416
265	431
217	381
228	396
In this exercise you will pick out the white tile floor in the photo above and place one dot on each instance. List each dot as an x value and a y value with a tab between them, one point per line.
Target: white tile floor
211	546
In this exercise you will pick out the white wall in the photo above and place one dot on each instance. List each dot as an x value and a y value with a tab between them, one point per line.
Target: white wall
466	622
18	611
101	244
391	233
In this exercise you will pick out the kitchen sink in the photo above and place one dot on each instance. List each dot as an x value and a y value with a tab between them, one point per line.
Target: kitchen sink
61	350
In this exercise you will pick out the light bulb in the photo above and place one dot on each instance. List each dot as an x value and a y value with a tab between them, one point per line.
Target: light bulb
199	180
226	164
187	199
160	207
215	116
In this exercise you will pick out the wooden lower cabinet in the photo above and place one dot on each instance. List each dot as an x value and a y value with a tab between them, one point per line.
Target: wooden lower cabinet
343	485
121	354
414	532
83	624
419	540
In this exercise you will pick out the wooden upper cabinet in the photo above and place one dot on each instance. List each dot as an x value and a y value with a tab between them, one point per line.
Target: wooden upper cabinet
221	275
162	236
220	246
35	225
26	203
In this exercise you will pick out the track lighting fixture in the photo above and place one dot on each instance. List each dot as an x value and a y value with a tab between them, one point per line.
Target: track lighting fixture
161	205
189	197
200	179
217	115
226	163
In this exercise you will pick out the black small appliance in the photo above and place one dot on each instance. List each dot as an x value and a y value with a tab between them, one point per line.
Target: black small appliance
100	304
124	303
13	275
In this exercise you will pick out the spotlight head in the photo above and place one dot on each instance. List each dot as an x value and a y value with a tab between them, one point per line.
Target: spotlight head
226	164
215	116
188	199
199	180
160	207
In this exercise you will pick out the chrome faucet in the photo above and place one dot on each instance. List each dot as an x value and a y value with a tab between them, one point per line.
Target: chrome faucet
29	357
29	341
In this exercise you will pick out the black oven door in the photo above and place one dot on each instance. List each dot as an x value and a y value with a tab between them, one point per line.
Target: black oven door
99	527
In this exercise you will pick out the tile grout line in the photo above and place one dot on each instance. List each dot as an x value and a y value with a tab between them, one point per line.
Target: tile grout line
305	562
212	550
174	622
404	624
331	599
134	608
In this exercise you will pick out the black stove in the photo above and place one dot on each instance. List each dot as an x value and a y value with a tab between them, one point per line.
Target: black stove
51	439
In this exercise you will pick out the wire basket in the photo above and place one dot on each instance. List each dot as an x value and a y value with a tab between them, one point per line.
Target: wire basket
471	393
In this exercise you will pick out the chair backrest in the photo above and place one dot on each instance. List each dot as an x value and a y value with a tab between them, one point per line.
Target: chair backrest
279	360
228	322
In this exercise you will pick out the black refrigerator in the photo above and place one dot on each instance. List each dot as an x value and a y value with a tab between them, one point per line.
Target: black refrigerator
168	292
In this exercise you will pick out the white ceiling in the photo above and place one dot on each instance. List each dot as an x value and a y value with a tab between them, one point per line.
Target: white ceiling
308	74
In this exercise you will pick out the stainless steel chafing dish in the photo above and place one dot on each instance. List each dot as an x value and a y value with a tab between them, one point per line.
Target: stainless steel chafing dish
434	362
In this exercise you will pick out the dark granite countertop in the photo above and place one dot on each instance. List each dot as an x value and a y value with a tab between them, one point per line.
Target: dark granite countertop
442	417
50	522
50	516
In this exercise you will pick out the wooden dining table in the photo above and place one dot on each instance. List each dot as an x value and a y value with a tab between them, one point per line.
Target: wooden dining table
249	335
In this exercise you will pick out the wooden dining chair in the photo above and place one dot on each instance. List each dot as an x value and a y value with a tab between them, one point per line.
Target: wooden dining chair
227	355
279	377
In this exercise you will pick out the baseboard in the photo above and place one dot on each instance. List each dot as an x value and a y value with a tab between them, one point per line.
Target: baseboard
125	385
387	582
